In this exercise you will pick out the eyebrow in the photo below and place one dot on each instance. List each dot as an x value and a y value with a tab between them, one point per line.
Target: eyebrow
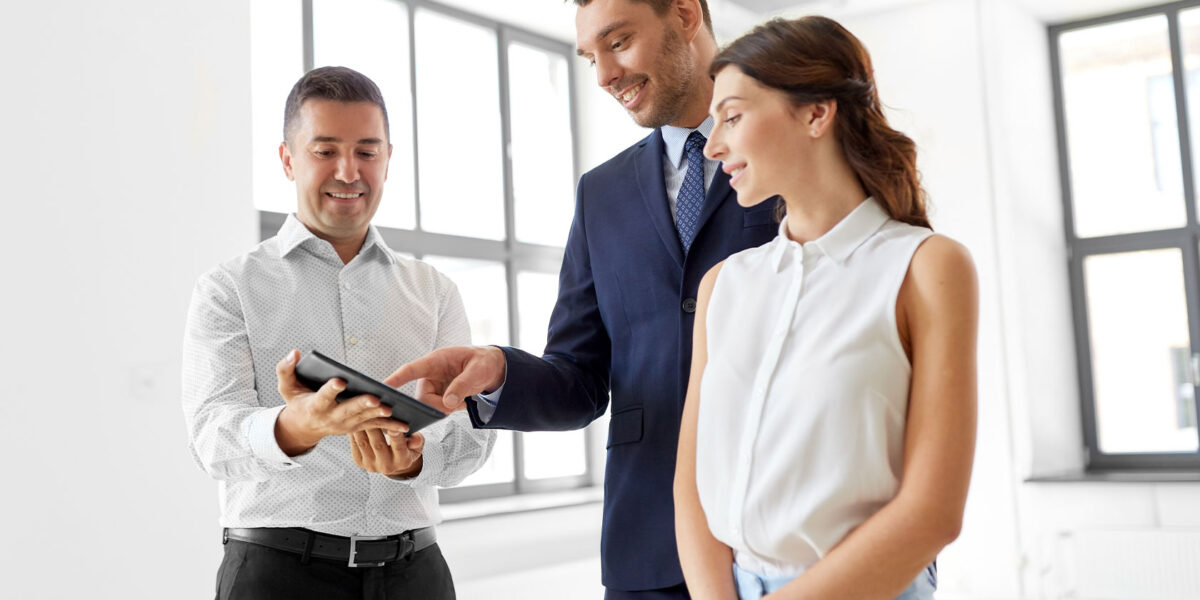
724	100
331	139
607	31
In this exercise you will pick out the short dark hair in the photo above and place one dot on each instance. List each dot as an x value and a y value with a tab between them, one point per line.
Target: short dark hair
660	8
332	83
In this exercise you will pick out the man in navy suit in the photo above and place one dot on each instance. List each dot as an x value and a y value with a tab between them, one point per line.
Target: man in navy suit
648	224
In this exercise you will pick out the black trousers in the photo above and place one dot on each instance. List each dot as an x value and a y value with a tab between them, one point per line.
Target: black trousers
253	572
678	592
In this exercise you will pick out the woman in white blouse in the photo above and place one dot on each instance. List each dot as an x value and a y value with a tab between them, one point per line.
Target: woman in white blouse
829	428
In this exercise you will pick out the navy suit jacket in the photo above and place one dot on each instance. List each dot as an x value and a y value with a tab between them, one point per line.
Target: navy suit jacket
623	321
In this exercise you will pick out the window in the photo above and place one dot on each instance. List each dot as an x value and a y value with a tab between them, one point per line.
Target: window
1127	95
466	96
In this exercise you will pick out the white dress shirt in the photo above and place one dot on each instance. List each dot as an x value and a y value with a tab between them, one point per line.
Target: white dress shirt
374	314
675	160
804	398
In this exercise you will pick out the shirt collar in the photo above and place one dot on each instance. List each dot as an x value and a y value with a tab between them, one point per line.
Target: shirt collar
294	234
675	137
841	241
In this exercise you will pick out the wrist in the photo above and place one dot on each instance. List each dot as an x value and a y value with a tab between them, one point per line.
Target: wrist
291	436
497	355
412	471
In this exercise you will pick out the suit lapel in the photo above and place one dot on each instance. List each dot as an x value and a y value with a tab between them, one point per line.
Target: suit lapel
649	171
718	192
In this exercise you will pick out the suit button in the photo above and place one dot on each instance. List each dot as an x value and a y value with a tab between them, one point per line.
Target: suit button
689	305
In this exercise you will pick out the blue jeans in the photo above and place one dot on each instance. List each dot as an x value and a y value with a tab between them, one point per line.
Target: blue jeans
751	586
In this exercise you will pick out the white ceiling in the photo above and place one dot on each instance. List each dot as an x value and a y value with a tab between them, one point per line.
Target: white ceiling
1050	11
731	18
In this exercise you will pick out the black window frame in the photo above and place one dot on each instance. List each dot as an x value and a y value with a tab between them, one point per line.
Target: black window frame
1186	239
516	256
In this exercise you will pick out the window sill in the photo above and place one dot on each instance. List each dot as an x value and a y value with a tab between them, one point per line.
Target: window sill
521	503
1143	476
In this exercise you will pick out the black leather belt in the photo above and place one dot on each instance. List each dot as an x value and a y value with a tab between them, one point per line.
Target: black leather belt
357	551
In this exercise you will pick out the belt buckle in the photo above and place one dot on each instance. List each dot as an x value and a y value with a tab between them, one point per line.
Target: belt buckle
354	539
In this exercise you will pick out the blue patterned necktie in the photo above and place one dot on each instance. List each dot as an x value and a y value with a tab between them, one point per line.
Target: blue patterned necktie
691	193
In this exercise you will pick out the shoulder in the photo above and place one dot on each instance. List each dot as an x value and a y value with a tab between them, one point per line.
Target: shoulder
230	273
941	258
710	278
621	162
420	274
942	277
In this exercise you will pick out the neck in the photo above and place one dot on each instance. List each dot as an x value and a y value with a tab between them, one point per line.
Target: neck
696	110
820	199
346	244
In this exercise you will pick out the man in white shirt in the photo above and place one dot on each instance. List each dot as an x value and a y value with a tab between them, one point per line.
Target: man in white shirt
301	519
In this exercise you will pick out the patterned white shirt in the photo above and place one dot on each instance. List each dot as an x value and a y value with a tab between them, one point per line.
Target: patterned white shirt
375	313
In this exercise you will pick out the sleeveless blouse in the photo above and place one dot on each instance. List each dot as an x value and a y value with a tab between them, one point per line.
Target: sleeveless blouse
804	397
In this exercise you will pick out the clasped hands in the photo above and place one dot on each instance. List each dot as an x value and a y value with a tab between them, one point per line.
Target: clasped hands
377	442
446	378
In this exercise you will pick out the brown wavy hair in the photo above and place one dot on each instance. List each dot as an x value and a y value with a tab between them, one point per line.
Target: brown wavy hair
814	59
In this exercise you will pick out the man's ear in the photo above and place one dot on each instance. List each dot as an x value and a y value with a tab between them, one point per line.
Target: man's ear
285	157
691	16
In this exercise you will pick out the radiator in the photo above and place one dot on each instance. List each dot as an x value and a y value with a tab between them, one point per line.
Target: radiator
1130	564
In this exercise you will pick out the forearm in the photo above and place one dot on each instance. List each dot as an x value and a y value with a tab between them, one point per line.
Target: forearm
879	558
236	443
707	563
550	393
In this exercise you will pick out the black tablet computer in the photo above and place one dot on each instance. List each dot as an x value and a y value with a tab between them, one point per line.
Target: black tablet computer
314	369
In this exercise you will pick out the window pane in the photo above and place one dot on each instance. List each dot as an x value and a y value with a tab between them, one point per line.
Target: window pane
542	154
484	290
276	51
1189	30
554	454
536	294
547	454
458	130
371	37
1139	329
1122	133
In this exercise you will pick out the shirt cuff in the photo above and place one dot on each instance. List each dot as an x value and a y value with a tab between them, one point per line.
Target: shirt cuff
260	430
485	404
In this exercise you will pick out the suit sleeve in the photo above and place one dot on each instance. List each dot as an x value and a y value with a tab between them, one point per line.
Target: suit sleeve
567	387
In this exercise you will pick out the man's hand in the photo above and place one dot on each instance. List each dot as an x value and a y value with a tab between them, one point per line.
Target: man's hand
393	455
449	375
310	416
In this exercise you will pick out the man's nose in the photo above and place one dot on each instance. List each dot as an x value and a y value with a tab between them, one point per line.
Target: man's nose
347	169
608	72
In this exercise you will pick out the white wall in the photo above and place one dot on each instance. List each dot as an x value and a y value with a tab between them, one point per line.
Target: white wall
127	174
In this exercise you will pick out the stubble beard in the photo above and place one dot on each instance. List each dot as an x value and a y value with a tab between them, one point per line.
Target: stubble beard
675	74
